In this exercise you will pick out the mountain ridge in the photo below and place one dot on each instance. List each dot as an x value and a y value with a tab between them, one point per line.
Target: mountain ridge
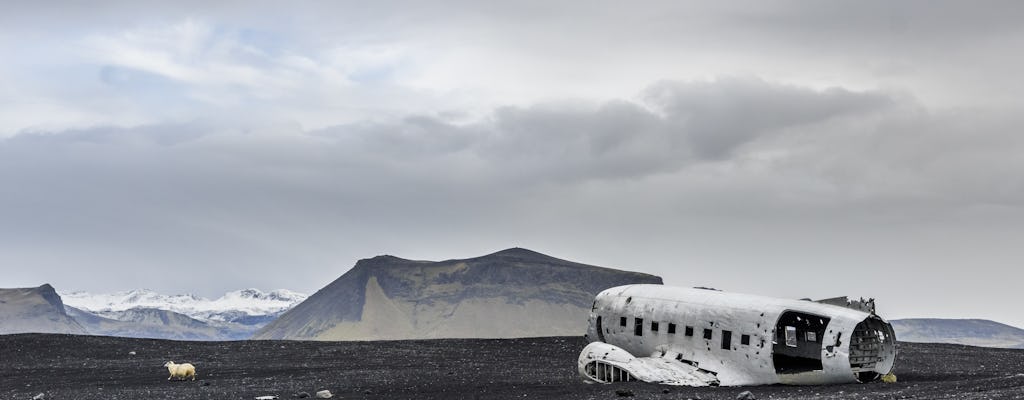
35	310
388	297
246	306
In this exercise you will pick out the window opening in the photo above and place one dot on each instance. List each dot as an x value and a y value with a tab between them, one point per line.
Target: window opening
671	328
622	321
726	340
638	327
654	326
791	336
707	334
745	340
689	331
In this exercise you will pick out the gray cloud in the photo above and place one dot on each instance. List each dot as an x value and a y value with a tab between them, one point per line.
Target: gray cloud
272	205
678	124
245	144
718	117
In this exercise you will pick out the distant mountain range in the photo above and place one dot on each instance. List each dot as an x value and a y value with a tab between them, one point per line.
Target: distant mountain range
973	332
511	293
142	313
245	307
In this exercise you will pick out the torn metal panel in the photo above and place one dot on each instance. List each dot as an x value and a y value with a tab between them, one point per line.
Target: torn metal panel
867	306
605	363
698	337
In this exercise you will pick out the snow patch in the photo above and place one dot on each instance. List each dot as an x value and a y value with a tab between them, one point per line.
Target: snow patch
232	306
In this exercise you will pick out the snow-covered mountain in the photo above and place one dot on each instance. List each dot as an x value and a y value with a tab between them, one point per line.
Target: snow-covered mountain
246	306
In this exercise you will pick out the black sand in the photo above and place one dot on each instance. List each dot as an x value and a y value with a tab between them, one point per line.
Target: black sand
88	367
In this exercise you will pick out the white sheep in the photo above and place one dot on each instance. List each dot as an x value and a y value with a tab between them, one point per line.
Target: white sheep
181	371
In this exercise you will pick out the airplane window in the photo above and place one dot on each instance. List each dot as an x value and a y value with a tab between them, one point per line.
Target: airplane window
622	321
811	336
689	331
707	334
638	327
726	340
671	328
791	336
654	326
745	340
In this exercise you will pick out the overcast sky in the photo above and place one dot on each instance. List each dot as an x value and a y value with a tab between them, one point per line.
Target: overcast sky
793	149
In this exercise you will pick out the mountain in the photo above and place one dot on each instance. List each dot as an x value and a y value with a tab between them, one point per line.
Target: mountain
247	306
973	332
157	324
511	293
35	310
147	314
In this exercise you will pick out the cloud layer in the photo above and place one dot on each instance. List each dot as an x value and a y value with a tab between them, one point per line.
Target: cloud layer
861	148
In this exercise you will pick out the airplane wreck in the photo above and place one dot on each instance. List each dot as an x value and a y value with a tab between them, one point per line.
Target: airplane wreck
706	337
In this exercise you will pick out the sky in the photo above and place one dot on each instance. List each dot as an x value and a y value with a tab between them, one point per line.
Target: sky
790	149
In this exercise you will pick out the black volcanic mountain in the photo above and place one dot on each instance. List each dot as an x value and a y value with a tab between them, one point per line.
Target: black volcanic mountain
35	310
511	293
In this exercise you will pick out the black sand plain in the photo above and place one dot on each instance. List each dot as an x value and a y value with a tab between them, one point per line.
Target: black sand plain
90	367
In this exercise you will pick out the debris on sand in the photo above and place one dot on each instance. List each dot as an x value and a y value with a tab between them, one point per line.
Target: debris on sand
301	395
40	396
745	395
889	378
270	397
324	394
624	393
131	353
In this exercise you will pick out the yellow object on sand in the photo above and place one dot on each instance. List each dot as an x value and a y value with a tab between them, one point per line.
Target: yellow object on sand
889	378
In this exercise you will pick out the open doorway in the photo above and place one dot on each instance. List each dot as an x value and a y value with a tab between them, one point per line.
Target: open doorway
797	345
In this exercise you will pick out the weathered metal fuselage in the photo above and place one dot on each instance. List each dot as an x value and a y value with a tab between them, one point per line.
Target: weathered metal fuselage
701	337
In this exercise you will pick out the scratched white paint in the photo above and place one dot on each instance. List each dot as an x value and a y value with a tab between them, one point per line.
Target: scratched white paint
702	309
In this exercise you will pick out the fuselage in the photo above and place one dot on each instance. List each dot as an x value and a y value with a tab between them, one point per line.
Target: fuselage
744	339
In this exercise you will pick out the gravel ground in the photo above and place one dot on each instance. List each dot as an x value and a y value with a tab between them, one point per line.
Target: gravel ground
90	367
